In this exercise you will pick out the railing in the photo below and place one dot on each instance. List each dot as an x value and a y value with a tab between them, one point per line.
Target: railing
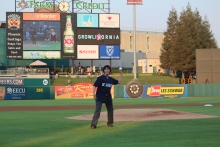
7	72
24	72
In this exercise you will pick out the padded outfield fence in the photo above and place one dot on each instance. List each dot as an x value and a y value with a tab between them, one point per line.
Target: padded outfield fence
22	89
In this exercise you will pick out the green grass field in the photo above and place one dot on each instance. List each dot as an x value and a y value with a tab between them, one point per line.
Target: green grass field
143	78
42	46
50	128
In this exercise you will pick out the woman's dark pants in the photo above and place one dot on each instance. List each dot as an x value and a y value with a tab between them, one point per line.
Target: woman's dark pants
96	115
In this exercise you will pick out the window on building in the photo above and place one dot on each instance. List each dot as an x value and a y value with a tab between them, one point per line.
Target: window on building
147	44
130	42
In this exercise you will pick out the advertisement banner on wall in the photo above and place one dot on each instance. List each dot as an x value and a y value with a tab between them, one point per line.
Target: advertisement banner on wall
109	20
14	31
68	35
12	81
163	91
2	92
88	36
36	82
109	52
87	52
88	20
76	91
41	55
16	93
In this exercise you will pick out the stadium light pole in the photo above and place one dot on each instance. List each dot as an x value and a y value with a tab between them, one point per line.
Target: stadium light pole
134	40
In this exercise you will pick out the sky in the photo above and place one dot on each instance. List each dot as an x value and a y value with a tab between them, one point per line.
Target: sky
152	15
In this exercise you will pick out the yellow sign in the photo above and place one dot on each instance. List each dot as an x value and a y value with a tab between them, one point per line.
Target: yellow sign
158	90
39	90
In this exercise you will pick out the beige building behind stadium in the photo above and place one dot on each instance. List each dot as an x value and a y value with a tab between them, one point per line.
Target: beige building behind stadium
149	42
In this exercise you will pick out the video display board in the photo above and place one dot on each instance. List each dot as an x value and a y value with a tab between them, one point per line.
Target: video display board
33	35
41	35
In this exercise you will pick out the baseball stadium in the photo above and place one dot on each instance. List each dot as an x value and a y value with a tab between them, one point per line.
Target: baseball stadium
142	89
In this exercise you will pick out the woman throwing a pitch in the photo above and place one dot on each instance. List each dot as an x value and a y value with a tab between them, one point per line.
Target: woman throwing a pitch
103	95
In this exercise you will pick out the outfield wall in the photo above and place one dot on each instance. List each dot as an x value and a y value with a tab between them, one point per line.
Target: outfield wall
204	90
84	91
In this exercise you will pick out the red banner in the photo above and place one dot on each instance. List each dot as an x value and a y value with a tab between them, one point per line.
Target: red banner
135	2
79	90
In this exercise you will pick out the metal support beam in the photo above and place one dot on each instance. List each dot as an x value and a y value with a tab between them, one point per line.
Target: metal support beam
134	43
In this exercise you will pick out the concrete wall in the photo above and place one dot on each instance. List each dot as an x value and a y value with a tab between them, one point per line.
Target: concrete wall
147	42
207	66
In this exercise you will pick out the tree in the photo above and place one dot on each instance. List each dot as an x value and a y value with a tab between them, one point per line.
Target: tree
207	38
184	44
168	41
198	24
183	36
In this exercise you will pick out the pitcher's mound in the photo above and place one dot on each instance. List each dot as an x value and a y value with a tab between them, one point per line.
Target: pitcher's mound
144	115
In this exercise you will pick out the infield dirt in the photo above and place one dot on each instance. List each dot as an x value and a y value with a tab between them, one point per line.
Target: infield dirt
123	115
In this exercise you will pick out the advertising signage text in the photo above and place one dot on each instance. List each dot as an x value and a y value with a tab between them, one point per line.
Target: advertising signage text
98	36
41	55
40	4
41	16
48	4
84	5
35	4
109	20
165	91
76	91
11	81
87	52
109	52
16	93
14	34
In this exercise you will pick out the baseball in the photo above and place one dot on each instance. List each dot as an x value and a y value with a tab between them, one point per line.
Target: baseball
120	68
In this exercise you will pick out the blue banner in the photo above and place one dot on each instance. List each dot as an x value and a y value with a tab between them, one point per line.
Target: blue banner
165	91
15	93
87	20
109	52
